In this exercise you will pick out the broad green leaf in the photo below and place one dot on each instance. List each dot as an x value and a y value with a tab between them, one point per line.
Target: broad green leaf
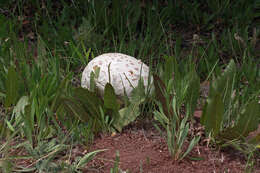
19	108
110	100
246	123
193	90
23	101
90	101
88	157
9	125
248	119
126	115
204	116
224	82
12	87
75	108
229	134
213	115
219	96
138	93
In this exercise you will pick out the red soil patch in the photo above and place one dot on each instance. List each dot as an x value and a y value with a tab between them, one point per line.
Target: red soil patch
146	151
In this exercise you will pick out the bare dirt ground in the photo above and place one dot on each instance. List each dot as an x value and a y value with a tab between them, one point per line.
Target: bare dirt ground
143	149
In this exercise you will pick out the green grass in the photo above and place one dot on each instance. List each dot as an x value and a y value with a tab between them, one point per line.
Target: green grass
45	45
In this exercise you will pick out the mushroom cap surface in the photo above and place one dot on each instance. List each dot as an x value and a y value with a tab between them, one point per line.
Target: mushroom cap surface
125	71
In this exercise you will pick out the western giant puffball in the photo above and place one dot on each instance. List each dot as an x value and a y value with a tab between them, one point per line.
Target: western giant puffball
122	71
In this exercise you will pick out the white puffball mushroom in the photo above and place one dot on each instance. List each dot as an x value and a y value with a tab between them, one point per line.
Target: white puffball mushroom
125	72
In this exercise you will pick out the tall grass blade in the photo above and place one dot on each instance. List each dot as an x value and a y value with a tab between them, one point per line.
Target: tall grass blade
160	90
28	127
12	87
194	142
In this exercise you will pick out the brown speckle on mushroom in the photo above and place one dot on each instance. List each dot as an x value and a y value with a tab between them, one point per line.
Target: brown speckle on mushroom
95	67
131	72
